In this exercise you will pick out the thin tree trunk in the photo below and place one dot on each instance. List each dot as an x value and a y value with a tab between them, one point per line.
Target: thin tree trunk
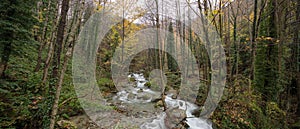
59	87
5	58
220	20
47	63
157	52
253	42
297	55
50	49
43	40
123	29
67	56
59	41
206	65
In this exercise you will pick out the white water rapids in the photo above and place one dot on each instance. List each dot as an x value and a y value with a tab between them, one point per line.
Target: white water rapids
142	94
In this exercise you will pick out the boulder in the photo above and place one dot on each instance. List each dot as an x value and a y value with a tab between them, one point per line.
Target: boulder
175	118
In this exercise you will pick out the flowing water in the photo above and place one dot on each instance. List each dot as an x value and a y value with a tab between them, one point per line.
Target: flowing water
178	113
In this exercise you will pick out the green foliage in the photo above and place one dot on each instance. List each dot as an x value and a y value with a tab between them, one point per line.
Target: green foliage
19	105
267	77
266	70
244	109
19	98
64	124
26	103
276	115
16	24
106	85
174	80
148	84
68	103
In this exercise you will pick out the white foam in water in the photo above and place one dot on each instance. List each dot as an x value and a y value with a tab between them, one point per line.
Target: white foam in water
191	120
198	123
158	123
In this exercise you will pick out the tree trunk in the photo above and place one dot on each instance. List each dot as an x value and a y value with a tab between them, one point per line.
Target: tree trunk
297	55
7	49
253	42
5	59
59	41
59	87
157	52
43	40
67	56
50	48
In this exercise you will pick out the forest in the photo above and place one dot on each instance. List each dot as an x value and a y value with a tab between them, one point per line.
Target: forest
150	64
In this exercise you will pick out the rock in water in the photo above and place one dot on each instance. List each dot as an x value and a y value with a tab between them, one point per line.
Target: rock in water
140	91
131	96
175	118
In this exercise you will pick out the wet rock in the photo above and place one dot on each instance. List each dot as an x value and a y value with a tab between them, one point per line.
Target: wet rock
159	104
132	79
144	97
155	99
140	91
196	112
148	84
173	93
174	97
157	96
131	96
155	85
175	118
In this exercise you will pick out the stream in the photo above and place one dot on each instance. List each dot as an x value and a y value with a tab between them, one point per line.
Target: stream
138	105
178	113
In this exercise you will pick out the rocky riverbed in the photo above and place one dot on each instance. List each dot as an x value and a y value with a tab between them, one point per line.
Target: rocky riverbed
138	106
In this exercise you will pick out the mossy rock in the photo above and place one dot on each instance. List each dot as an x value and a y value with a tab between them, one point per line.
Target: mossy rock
132	79
154	84
167	88
155	87
140	91
144	97
64	124
148	84
159	104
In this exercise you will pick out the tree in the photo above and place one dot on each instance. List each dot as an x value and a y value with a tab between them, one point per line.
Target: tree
58	46
267	60
74	29
16	35
295	47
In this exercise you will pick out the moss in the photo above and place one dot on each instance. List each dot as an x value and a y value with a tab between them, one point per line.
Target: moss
159	104
64	124
131	79
148	84
155	87
106	84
